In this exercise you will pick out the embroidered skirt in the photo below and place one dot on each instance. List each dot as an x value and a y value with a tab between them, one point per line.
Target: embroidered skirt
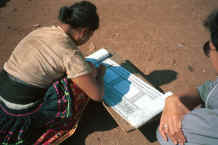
49	122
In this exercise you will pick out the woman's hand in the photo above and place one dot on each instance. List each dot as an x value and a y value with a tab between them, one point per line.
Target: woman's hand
97	72
171	120
94	69
100	72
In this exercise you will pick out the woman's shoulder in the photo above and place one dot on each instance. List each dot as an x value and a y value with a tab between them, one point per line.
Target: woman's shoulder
54	37
213	83
52	30
210	84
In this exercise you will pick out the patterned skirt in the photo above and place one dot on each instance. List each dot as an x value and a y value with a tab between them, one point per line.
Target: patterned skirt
49	122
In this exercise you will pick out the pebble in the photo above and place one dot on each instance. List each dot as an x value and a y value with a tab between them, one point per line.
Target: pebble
180	45
174	62
36	25
115	35
190	68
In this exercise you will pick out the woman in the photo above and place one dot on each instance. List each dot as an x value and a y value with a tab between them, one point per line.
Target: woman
44	57
181	121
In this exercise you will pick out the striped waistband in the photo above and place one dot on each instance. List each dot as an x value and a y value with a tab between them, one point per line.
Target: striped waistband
14	106
13	110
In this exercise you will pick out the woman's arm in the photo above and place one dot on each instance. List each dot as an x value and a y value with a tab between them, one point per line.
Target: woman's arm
176	107
91	85
190	98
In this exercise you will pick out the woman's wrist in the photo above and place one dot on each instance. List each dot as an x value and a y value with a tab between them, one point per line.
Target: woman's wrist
100	79
172	97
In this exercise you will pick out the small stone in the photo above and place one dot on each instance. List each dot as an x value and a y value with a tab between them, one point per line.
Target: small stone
203	70
174	62
116	35
180	45
36	25
190	68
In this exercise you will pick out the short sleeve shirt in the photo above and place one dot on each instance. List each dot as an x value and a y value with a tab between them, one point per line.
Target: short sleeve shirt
200	126
204	90
46	55
209	93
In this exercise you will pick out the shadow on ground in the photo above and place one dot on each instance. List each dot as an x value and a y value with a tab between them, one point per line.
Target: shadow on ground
149	129
156	78
95	118
3	3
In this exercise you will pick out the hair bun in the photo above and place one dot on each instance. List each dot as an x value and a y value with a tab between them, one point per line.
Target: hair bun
80	15
64	14
212	21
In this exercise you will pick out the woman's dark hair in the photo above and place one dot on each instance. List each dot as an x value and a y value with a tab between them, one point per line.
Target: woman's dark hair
79	15
211	23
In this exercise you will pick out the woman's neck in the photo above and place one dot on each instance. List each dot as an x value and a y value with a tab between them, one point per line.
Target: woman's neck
65	27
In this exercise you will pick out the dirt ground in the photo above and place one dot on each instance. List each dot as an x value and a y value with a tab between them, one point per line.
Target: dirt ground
162	38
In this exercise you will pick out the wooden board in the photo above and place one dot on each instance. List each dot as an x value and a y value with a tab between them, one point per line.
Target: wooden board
123	124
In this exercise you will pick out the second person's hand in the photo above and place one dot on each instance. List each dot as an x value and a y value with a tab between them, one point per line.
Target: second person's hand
171	120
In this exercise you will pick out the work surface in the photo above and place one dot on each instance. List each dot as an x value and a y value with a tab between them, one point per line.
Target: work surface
160	37
145	133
